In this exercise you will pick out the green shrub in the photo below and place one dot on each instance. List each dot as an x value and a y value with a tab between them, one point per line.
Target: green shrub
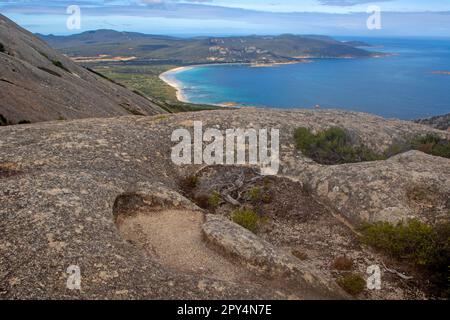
397	148
267	183
352	283
416	243
59	64
23	122
258	195
412	241
255	194
247	218
332	146
267	198
432	144
214	200
2	47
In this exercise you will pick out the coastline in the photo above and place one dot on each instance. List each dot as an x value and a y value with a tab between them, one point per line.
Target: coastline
171	81
168	78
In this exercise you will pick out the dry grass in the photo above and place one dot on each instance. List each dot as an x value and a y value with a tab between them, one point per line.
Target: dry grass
342	263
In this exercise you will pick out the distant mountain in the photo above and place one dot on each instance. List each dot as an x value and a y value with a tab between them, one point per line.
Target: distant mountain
260	49
38	84
102	36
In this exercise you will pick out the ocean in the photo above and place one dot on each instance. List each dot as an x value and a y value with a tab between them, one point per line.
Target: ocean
409	84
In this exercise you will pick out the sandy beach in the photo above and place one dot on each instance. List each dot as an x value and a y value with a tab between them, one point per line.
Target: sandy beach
168	78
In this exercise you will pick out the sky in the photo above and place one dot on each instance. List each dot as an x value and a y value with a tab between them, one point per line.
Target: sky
424	18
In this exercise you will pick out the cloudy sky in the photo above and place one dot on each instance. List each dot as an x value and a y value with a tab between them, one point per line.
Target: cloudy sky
226	17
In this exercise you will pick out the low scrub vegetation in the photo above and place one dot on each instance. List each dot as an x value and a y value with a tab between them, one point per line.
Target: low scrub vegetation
188	183
421	245
432	144
144	80
54	73
342	263
207	202
139	93
214	200
259	195
335	146
2	47
248	219
255	194
352	283
332	146
59	64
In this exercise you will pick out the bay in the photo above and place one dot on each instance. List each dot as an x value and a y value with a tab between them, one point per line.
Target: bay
408	84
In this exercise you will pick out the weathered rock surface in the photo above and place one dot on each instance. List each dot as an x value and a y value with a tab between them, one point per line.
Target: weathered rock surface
60	181
409	185
262	257
39	84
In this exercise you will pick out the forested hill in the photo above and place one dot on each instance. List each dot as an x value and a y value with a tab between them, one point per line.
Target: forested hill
254	49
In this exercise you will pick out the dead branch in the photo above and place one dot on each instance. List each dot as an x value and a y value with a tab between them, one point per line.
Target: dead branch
399	274
226	196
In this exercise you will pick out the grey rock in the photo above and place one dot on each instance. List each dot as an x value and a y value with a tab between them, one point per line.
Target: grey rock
262	257
59	182
409	185
34	88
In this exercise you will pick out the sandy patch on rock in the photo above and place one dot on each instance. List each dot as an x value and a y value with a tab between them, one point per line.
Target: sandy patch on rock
174	239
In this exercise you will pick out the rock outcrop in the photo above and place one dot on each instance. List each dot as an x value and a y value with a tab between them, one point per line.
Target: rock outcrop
409	185
39	84
262	257
63	183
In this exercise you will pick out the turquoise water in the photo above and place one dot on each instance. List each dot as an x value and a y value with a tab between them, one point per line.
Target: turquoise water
400	86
